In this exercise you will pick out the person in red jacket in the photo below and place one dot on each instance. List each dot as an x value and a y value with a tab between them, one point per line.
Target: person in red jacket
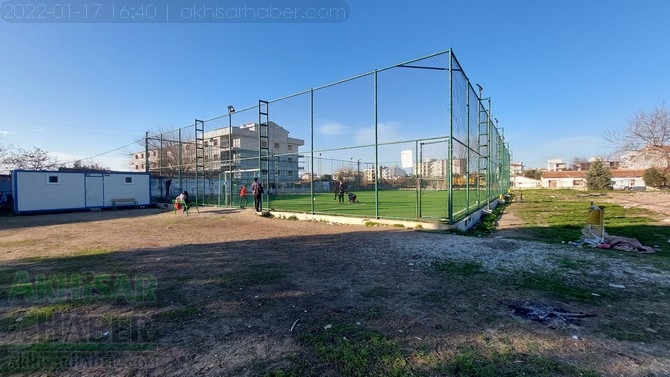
243	196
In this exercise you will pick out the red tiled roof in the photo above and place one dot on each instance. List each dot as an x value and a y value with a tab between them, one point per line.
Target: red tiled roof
564	174
627	173
582	174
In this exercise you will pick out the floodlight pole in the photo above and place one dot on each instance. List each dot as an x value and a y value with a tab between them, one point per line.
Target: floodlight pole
231	110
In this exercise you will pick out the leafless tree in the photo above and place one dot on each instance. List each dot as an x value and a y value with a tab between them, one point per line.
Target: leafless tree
165	152
580	163
648	132
92	166
35	159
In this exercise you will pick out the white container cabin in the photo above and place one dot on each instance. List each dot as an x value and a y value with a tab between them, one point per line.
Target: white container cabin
36	191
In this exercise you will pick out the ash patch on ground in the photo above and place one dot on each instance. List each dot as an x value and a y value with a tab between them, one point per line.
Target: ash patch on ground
551	316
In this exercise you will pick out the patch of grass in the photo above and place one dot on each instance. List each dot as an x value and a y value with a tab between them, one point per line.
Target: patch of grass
568	262
559	215
554	285
488	222
253	275
467	362
355	350
398	225
371	223
292	218
180	314
628	335
457	268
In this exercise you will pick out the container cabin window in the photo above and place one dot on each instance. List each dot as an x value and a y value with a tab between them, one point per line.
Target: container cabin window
53	180
128	180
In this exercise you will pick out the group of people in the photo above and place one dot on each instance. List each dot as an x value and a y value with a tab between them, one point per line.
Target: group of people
340	190
257	191
182	201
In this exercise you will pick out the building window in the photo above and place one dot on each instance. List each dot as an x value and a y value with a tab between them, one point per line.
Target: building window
128	180
290	160
290	173
276	146
53	180
215	142
290	148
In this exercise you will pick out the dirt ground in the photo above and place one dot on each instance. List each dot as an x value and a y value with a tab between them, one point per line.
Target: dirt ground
229	293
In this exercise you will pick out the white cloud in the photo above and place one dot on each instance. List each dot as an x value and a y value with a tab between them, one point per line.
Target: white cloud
385	132
333	129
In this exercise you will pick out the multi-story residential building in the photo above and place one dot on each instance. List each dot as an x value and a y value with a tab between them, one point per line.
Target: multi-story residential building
556	165
385	172
516	168
646	158
433	168
236	152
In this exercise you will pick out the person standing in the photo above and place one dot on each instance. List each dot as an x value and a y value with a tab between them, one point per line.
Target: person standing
342	189
257	191
243	196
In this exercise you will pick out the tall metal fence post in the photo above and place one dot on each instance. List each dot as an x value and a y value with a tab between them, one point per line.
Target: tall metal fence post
377	168
311	149
179	161
450	143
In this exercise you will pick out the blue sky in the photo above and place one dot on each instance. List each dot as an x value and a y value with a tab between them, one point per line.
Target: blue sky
559	73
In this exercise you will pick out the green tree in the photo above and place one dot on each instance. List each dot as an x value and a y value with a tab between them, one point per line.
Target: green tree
599	176
533	173
655	178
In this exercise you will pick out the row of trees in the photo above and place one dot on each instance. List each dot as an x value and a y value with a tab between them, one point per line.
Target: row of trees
37	159
599	177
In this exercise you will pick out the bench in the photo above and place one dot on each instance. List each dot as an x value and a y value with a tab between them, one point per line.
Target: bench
126	201
180	204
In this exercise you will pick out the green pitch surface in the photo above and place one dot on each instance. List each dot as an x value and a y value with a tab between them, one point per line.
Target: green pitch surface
393	204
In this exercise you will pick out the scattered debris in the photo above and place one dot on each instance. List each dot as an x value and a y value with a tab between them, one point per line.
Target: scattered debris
294	323
621	286
327	327
593	234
